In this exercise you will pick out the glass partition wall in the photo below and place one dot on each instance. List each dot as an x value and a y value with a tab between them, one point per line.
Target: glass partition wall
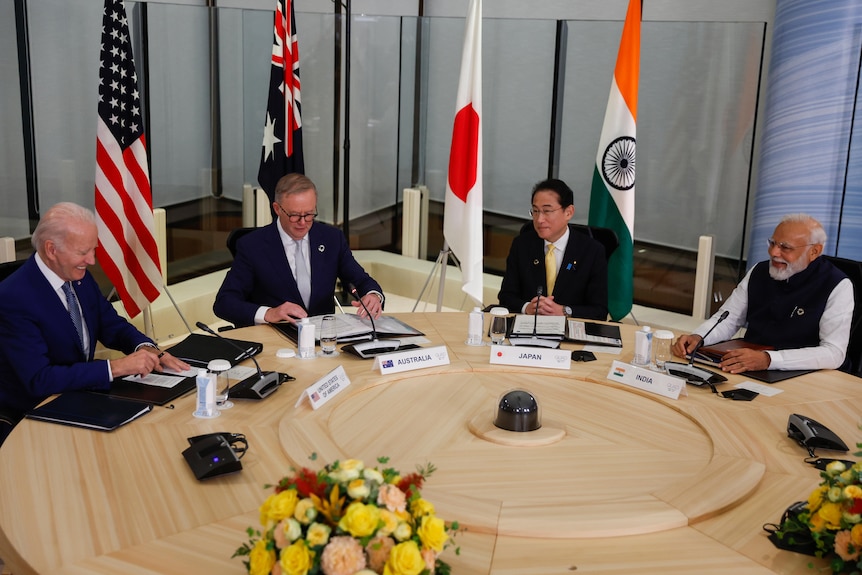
204	72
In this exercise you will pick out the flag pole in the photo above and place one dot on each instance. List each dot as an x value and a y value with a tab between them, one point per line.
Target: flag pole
444	263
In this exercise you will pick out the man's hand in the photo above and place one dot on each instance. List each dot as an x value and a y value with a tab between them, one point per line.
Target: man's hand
547	306
288	311
167	361
147	360
685	343
372	302
142	362
740	360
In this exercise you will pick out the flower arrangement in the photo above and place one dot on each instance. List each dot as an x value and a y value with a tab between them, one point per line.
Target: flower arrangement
829	525
348	519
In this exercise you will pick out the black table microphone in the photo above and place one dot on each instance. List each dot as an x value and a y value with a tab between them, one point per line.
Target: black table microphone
255	387
699	344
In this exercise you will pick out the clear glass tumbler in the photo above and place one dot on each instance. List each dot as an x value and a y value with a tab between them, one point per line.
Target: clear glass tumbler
498	325
328	336
662	342
221	368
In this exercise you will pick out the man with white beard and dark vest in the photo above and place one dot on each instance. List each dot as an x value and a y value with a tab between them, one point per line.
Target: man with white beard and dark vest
795	302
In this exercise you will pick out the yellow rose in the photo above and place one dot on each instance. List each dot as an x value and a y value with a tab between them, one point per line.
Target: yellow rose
358	489
421	507
856	536
404	559
277	507
831	515
815	500
432	533
853	492
318	534
360	520
817	522
260	559
390	522
305	512
296	559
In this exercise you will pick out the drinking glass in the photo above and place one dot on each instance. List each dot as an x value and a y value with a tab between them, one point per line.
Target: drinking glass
662	342
221	368
498	325
328	336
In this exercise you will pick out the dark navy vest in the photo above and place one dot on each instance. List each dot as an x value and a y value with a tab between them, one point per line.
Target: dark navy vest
786	314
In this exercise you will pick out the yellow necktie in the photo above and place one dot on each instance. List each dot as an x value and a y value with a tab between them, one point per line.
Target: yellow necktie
550	269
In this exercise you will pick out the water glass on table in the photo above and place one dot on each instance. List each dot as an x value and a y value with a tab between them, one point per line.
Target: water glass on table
328	336
662	342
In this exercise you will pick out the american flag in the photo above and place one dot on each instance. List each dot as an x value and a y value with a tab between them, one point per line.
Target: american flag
124	204
282	132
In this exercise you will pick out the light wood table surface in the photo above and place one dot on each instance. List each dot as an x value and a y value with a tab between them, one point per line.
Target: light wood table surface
636	483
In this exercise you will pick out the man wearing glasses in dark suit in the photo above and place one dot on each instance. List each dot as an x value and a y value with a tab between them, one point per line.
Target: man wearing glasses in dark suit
287	270
570	268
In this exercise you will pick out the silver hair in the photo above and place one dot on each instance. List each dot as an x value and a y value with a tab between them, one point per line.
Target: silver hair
54	224
816	233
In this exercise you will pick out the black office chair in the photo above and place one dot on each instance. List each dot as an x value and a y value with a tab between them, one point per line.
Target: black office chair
234	236
605	236
853	270
8	268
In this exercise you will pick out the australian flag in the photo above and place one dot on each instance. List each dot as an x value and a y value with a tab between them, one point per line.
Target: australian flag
282	132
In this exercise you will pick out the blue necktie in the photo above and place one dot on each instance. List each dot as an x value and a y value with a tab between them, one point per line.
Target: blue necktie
303	278
75	313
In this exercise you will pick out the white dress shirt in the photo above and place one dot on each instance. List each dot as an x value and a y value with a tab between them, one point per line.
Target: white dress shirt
834	329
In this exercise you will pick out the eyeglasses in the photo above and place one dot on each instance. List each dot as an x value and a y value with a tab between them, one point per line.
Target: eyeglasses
785	248
294	218
534	213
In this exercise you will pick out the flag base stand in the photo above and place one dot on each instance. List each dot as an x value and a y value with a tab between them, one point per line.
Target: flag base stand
442	262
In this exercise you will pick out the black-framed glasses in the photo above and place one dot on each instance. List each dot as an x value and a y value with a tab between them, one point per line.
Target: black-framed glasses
785	248
535	213
294	218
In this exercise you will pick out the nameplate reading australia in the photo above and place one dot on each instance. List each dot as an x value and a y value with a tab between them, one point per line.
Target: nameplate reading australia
531	356
399	361
325	388
647	380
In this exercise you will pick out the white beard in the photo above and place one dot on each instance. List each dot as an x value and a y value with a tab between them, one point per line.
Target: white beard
790	269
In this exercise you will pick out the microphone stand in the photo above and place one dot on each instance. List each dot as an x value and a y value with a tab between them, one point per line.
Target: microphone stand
376	346
257	386
693	374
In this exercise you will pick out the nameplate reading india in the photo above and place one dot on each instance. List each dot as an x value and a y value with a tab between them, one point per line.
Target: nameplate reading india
325	388
647	380
531	356
413	359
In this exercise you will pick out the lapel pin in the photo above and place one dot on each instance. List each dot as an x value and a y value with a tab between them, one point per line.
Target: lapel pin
535	262
321	248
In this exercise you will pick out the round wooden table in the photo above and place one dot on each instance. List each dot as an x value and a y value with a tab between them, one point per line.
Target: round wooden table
631	482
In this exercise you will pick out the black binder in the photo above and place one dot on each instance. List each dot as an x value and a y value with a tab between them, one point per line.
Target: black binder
90	410
198	350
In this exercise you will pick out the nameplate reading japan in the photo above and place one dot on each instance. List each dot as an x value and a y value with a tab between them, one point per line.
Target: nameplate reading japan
531	356
413	359
647	380
325	388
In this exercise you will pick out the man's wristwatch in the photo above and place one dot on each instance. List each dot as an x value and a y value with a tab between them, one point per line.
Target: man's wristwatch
567	310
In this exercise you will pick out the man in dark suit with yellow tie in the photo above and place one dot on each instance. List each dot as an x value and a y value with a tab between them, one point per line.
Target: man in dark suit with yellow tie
570	269
51	316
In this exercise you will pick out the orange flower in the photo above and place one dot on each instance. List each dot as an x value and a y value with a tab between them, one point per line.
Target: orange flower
844	546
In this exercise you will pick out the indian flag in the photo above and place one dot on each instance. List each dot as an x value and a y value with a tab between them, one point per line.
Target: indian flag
612	199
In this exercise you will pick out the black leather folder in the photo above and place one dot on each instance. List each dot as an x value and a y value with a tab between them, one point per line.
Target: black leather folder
90	410
198	349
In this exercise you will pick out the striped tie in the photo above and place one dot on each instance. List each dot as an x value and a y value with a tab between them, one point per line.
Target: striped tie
550	269
75	313
303	278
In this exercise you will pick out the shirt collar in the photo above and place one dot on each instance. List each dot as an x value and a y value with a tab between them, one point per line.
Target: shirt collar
53	279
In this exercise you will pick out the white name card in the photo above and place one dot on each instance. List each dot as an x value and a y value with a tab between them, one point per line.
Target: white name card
531	356
647	380
412	359
325	388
